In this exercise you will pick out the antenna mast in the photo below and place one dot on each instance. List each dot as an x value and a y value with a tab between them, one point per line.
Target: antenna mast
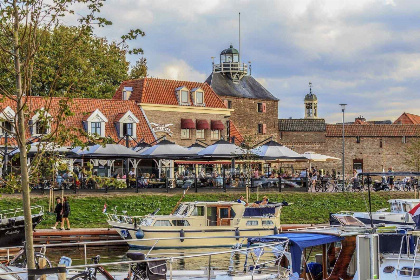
239	57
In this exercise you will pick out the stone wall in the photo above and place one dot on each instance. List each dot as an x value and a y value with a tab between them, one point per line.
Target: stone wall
174	118
302	136
246	117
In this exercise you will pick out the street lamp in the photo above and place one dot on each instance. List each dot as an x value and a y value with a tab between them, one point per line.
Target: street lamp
343	107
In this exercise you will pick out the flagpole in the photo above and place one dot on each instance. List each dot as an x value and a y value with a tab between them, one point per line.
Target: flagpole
370	203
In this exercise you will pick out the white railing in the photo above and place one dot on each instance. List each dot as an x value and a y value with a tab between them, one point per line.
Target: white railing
9	213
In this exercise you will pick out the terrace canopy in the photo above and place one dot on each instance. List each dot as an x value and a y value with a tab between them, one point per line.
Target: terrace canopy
37	147
167	150
221	150
275	151
195	148
141	147
109	151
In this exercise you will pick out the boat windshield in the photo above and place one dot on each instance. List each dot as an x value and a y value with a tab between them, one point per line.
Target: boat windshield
396	207
182	210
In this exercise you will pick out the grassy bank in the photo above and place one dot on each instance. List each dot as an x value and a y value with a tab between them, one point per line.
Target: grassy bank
86	210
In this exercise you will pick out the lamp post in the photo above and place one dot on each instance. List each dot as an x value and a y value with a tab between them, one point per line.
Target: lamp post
343	107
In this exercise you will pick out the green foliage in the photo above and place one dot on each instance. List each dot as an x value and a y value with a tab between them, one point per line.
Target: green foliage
314	208
139	70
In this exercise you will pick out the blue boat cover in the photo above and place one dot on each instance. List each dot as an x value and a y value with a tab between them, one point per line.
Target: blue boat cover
259	211
298	242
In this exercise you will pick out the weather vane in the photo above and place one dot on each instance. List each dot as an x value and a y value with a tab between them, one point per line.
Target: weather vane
310	87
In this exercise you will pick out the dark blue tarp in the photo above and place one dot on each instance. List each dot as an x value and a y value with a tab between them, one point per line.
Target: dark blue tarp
259	211
298	242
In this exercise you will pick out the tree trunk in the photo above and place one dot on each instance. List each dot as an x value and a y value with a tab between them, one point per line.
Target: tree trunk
21	139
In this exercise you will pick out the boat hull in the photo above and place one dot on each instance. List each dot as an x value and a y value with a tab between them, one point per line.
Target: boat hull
385	218
179	237
12	231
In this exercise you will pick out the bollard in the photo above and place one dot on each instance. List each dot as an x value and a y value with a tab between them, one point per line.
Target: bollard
42	263
84	247
279	183
62	275
167	184
195	183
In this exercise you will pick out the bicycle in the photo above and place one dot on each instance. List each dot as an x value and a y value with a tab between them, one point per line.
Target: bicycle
91	272
20	260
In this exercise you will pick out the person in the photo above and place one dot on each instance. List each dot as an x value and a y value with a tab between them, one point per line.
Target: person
261	203
58	211
242	200
66	213
131	173
391	179
355	180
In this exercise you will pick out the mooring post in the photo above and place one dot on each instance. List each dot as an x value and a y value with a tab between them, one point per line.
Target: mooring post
84	247
170	268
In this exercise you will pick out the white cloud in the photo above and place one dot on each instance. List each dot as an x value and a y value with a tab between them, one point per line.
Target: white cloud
177	69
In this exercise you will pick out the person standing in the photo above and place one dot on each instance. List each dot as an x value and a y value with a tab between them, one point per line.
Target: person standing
58	211
391	179
66	213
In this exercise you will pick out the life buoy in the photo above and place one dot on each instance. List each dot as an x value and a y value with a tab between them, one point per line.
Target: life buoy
182	234
276	230
139	234
237	233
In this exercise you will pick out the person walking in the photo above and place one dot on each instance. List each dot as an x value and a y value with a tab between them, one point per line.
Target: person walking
58	211
66	213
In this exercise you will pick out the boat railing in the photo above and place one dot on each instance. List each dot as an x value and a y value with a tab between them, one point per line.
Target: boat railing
8	213
170	258
124	218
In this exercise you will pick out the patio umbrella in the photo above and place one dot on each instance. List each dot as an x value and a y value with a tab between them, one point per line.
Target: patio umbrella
109	151
195	148
221	150
44	147
167	150
140	147
275	151
314	157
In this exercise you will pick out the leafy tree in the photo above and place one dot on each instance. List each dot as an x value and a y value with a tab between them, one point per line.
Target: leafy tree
412	154
139	70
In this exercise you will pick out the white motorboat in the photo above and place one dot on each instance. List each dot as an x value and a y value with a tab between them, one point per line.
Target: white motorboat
198	224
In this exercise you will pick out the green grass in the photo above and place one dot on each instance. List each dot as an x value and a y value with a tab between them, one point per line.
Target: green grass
307	208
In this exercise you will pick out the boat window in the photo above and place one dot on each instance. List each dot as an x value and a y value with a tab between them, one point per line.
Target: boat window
416	272
389	269
198	211
407	207
252	223
180	223
406	271
267	223
224	213
162	223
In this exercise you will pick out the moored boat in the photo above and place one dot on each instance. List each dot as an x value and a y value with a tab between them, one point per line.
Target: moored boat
199	224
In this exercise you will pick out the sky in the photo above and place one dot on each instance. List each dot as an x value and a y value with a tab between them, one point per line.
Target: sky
365	53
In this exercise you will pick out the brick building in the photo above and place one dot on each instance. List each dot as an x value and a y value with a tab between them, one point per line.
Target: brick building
182	111
255	109
369	146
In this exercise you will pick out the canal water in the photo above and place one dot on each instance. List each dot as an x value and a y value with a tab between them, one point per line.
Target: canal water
118	253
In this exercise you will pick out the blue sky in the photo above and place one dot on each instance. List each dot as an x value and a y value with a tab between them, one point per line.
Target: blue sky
363	53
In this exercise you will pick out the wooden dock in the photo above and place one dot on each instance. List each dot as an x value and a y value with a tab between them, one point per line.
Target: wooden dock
75	236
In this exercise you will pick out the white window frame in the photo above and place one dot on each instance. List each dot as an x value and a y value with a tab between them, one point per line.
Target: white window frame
97	116
7	115
195	92
182	93
96	128
128	117
179	91
184	130
202	133
35	121
213	135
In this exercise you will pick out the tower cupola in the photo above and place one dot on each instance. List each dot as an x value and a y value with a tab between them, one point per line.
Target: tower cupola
230	64
311	104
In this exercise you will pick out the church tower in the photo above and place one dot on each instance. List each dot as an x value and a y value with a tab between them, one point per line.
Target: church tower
311	104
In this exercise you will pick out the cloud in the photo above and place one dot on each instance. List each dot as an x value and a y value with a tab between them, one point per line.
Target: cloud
177	70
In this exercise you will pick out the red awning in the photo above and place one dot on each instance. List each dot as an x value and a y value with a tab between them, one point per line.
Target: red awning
217	125
187	124
203	124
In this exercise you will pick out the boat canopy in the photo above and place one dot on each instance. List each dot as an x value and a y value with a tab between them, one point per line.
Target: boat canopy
259	211
298	242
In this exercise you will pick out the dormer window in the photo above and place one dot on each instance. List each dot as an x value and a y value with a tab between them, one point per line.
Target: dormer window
95	123
126	94
126	124
40	123
6	120
183	95
198	96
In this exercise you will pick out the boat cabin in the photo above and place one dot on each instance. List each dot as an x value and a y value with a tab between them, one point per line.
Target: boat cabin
402	205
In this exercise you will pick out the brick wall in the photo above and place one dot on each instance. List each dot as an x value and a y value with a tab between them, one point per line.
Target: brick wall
246	117
174	118
302	136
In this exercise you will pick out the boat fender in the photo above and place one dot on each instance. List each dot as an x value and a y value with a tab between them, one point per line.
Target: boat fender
139	234
237	233
276	230
182	234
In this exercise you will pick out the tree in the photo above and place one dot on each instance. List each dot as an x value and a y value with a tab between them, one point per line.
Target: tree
23	24
139	70
412	154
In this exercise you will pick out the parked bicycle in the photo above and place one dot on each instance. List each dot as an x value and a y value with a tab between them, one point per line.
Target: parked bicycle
19	260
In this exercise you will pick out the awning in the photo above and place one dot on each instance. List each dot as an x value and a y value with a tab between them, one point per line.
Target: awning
187	124
203	124
217	125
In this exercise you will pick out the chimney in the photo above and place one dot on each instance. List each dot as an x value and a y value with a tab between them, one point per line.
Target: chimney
127	93
360	120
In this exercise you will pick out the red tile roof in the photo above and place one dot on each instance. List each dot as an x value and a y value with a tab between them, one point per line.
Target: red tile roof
162	91
83	108
373	130
407	118
234	132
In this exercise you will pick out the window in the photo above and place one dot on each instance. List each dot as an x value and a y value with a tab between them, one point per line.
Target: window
184	96
381	144
267	223
198	211
215	135
260	107
185	133
41	127
162	223
7	127
389	269
95	128
252	223
199	133
128	129
406	271
404	140
229	104
260	128
180	223
358	139
199	97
